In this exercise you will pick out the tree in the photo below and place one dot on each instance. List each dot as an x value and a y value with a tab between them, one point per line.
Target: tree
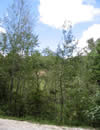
20	42
96	63
19	28
63	69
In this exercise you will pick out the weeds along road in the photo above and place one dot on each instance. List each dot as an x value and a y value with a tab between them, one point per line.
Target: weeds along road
6	124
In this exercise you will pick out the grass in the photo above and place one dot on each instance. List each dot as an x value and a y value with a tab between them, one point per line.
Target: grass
29	119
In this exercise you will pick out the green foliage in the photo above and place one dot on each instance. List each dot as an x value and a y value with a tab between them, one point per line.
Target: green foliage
50	86
93	115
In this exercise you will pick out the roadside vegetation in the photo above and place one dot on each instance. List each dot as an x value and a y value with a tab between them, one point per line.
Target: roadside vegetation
47	87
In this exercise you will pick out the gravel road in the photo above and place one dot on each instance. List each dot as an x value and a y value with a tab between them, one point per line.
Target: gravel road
23	125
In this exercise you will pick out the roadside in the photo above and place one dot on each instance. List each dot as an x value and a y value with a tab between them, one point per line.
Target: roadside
6	124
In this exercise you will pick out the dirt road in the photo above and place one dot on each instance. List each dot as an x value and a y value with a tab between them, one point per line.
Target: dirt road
23	125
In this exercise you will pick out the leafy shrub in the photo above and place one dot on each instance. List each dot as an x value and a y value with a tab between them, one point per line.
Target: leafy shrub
2	112
93	115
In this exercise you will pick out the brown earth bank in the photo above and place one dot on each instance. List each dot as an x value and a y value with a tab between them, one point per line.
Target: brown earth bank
6	124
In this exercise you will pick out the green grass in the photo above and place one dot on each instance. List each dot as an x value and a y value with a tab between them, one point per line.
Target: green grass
29	119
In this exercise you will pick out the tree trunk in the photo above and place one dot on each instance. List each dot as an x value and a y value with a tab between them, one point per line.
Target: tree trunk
11	89
61	101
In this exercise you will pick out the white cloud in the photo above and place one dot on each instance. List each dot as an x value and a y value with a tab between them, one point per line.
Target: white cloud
91	32
55	12
2	30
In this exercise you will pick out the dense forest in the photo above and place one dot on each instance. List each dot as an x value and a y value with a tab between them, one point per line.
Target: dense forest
56	86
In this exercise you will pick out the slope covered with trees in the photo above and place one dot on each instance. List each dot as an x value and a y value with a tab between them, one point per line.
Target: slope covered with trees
53	86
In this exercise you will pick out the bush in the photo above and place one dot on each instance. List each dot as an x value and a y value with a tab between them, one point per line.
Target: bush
93	115
2	112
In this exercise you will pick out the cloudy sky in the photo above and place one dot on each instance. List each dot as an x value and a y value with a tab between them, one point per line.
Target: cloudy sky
51	14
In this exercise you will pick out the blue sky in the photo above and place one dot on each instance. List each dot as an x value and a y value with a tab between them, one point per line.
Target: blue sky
51	14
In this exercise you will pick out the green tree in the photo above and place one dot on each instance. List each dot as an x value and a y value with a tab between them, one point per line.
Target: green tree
19	42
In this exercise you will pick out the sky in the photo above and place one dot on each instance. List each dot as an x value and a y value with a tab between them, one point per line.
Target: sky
51	14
